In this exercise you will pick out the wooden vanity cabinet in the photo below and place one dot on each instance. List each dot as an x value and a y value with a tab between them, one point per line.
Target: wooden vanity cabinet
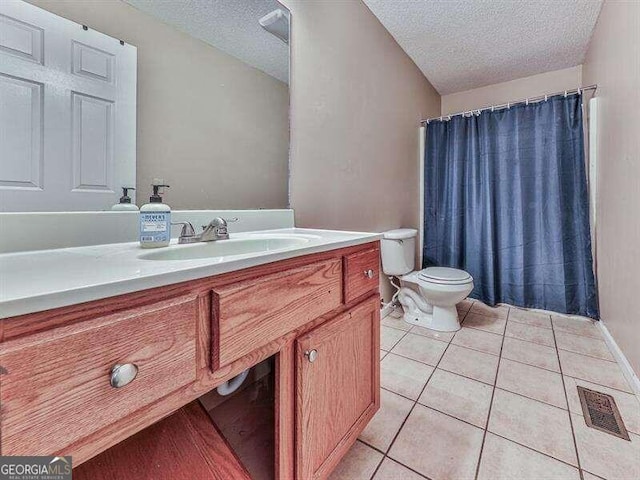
361	273
58	387
252	313
318	315
337	387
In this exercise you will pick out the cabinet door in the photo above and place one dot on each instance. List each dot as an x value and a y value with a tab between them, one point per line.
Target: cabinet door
337	374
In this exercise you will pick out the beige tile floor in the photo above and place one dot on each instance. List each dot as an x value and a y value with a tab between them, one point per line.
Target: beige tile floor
495	401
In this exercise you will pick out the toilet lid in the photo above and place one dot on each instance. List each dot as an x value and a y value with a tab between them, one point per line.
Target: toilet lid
445	275
400	233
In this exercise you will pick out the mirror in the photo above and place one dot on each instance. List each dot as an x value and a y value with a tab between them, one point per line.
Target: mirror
96	96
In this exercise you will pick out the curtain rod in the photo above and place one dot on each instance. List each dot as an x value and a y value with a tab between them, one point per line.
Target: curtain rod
477	111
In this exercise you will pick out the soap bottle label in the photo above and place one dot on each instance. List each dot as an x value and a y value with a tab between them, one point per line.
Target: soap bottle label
155	227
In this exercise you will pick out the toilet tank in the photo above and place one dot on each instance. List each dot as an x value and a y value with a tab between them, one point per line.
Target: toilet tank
398	250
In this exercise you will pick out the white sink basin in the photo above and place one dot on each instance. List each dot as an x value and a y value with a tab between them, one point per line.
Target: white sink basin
225	248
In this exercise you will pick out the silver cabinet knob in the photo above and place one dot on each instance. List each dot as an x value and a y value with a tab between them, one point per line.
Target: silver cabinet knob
311	355
369	273
123	374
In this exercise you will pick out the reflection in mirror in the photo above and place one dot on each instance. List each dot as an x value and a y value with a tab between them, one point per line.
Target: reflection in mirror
190	94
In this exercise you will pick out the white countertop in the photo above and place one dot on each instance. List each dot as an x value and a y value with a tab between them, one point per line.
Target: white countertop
41	280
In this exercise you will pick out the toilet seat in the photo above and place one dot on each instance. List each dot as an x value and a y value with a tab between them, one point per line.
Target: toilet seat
444	276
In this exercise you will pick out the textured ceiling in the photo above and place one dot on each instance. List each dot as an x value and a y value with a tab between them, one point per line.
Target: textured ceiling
464	44
229	25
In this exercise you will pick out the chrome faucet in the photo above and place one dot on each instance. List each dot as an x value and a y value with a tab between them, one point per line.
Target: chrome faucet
187	234
216	230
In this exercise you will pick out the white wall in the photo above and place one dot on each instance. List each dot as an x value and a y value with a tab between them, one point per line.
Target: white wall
356	103
613	62
549	82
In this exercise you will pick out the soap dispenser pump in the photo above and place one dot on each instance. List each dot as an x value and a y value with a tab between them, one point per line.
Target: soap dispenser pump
125	201
155	220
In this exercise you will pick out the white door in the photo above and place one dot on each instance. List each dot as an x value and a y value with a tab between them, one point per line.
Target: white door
67	113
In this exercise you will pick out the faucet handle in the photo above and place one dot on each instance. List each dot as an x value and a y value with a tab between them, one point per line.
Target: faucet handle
187	228
216	230
187	234
219	222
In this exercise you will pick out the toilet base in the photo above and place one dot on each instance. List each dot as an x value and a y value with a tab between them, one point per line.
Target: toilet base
442	319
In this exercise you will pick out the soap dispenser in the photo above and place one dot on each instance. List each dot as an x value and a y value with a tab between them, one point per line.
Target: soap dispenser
125	201
155	221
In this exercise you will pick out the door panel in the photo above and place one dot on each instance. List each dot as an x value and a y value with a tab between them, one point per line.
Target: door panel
21	39
68	137
92	130
338	390
21	140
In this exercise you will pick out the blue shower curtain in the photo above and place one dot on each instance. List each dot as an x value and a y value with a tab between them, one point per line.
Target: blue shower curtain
506	200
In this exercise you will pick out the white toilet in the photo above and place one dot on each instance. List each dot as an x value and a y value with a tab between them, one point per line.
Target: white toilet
429	296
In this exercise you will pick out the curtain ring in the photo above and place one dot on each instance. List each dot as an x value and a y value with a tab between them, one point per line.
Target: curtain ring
545	98
579	92
492	108
508	106
565	94
526	102
440	118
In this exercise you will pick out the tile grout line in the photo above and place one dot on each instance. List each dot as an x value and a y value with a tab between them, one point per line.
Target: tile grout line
485	383
397	341
569	332
485	430
566	397
394	328
530	365
493	393
556	350
430	338
415	402
533	450
444	369
528	447
587	355
529	341
599	384
531	324
612	360
483	330
464	376
450	371
375	472
475	349
533	399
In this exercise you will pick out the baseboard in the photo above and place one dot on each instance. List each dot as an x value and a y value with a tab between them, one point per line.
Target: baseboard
625	366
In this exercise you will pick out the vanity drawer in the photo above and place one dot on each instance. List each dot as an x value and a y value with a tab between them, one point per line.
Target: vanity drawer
251	313
361	272
57	388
